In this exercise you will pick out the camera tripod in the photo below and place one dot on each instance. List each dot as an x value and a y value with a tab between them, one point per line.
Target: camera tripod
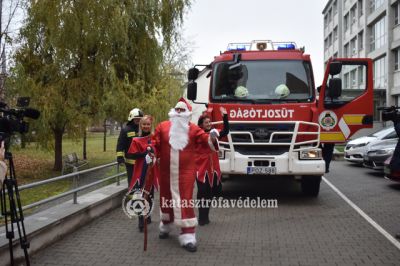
11	209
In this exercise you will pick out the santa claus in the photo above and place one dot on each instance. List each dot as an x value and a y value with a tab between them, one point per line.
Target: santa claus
175	143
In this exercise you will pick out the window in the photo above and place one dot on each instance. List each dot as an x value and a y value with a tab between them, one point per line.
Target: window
396	13
330	15
346	81
334	8
360	41
396	58
330	40
326	43
353	12
326	21
375	4
346	50
255	74
335	34
360	75
353	79
350	77
360	8
346	22
380	73
353	46
378	34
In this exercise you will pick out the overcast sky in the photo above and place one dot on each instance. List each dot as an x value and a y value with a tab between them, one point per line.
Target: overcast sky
212	24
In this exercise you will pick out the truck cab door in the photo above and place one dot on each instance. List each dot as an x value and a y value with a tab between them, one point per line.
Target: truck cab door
345	103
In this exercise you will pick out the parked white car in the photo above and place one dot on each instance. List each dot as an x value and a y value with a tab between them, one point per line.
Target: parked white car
357	148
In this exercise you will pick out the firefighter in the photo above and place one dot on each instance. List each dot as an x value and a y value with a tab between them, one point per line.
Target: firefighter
129	131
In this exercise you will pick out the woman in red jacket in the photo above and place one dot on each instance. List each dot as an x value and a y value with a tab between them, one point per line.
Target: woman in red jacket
138	151
208	172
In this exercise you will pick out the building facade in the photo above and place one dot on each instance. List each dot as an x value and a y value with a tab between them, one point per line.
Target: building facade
366	28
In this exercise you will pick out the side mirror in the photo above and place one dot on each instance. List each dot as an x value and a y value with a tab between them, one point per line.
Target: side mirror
335	68
192	90
193	73
334	89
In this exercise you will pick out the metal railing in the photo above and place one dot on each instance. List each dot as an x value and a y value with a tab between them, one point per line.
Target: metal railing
75	175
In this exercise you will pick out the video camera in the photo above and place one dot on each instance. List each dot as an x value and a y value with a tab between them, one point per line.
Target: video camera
12	119
390	113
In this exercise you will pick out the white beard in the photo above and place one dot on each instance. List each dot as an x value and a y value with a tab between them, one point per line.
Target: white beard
179	131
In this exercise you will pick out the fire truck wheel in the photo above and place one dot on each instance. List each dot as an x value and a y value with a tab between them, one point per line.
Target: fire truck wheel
310	185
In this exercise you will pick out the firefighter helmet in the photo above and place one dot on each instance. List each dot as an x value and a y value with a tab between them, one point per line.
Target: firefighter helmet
282	91
135	113
241	92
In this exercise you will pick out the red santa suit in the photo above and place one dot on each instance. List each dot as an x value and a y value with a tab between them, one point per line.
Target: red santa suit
208	165
176	151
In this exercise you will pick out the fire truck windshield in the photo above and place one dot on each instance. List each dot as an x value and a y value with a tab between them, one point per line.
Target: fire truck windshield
260	81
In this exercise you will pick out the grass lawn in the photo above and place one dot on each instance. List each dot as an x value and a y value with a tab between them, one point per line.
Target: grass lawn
33	164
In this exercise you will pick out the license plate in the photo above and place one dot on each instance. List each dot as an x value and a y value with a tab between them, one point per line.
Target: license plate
261	170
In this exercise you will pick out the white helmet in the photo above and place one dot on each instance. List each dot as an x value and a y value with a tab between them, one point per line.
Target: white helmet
241	92
282	91
135	113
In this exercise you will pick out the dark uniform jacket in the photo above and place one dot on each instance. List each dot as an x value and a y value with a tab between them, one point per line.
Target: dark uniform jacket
129	131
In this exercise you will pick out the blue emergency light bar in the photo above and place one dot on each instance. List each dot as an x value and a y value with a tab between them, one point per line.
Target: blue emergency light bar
238	47
284	45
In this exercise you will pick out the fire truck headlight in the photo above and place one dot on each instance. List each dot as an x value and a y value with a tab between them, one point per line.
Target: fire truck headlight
311	154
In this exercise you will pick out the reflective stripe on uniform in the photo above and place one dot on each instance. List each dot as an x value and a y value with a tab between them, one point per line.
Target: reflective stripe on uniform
130	161
120	153
131	134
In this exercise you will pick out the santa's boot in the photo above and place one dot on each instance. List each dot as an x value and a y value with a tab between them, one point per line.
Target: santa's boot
164	230
187	239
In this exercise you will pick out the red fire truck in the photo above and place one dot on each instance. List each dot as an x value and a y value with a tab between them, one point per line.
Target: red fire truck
278	118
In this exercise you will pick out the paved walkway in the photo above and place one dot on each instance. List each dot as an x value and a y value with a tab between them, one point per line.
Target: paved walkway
301	231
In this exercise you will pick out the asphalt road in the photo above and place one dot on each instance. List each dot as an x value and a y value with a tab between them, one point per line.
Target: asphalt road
300	231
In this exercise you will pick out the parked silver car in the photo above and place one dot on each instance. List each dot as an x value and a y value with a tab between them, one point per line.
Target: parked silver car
357	148
378	153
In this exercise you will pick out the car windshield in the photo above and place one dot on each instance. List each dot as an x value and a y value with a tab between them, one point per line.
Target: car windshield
382	133
262	81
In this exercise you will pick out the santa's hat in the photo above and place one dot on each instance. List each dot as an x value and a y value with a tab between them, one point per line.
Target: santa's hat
182	103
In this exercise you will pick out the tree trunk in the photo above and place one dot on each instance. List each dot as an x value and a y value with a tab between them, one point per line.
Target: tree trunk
105	135
84	145
58	134
23	141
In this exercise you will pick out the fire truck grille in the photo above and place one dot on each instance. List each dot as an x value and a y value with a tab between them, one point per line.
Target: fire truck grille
263	150
261	133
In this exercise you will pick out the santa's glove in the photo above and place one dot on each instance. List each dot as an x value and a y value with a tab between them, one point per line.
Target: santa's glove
120	159
148	158
150	149
214	133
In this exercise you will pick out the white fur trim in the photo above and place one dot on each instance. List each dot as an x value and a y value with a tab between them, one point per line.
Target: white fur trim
174	182
164	228
164	216
191	222
181	105
211	144
187	238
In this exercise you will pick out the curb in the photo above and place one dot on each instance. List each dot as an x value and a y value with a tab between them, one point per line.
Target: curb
46	227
